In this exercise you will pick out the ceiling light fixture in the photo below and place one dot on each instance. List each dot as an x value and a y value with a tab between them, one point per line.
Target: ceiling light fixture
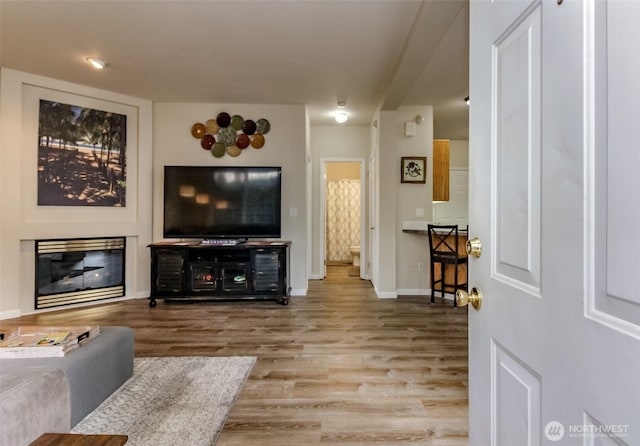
96	63
341	116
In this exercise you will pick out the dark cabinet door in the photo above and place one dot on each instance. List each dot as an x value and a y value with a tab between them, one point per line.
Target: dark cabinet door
268	271
168	276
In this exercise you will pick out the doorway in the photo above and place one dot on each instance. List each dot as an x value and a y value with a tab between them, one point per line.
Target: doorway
342	198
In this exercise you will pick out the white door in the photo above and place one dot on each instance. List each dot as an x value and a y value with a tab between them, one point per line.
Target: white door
555	200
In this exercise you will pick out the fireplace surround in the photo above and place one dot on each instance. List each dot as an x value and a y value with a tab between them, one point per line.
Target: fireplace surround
79	270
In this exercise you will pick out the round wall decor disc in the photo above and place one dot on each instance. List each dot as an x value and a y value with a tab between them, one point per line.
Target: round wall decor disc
212	126
218	149
243	141
263	126
236	122
249	127
207	141
257	141
198	130
234	151
223	119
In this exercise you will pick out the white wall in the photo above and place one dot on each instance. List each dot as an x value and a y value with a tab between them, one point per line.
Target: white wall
459	154
412	200
333	142
285	146
22	221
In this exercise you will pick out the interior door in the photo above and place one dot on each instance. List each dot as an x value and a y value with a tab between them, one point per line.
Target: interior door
555	201
372	190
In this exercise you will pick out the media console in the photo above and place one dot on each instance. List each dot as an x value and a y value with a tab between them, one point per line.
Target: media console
195	271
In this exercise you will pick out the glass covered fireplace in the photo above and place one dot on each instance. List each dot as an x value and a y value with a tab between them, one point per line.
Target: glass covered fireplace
79	270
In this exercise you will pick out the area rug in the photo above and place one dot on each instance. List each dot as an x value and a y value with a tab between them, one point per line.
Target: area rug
172	401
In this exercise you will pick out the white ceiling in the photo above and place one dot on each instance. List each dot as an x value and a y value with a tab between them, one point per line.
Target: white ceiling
369	53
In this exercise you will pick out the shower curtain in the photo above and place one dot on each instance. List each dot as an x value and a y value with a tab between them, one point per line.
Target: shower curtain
343	218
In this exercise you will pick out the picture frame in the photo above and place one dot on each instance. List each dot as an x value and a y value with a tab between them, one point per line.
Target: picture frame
413	169
34	211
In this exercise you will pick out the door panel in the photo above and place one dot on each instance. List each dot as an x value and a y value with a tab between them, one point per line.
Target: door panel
516	396
516	153
553	196
614	172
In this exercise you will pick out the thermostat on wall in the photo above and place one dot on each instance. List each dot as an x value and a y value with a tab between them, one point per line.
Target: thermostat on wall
409	128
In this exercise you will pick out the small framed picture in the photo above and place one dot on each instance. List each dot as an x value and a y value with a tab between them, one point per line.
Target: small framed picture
413	169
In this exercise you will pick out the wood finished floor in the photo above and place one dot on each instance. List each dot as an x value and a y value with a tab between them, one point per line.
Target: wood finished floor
337	367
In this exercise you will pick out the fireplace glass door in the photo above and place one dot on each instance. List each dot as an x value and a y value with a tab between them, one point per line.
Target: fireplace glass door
79	270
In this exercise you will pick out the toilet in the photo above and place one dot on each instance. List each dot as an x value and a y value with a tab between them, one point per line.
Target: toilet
355	252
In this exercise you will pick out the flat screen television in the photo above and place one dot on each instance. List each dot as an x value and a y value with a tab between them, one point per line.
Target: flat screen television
222	202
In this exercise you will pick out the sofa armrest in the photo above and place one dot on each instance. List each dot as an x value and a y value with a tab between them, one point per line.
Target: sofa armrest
33	400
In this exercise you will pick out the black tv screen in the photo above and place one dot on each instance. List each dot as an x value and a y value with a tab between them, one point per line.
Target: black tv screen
222	202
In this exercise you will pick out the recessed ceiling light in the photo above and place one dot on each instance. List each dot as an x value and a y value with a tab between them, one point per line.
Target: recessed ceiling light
96	63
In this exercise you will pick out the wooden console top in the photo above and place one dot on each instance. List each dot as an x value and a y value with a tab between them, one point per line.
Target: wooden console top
248	243
79	440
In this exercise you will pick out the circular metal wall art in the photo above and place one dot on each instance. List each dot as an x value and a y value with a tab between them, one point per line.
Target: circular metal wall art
207	141
218	149
212	127
234	151
227	136
236	122
223	119
243	141
257	141
198	130
263	126
249	127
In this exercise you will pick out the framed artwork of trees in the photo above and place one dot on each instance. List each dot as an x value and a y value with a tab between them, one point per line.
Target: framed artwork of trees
81	156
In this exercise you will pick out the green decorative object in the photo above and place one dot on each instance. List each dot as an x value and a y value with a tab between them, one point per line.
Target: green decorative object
236	122
218	149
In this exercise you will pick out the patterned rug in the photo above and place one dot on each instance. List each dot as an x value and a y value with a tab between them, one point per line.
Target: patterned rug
172	401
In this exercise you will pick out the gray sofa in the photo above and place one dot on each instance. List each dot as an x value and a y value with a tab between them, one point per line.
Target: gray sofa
92	373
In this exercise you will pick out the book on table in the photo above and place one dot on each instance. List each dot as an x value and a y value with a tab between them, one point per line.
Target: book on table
43	342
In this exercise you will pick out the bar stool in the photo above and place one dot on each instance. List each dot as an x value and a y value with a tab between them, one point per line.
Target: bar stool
444	251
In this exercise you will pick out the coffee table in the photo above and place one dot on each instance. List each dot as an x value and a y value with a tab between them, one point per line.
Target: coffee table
79	440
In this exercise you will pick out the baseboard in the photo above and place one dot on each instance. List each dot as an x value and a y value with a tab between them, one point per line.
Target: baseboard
9	314
298	292
413	292
316	277
385	294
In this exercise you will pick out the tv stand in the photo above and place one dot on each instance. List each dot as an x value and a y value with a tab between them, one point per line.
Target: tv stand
195	271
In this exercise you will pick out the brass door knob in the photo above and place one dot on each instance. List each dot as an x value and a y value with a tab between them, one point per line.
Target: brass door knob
474	247
474	298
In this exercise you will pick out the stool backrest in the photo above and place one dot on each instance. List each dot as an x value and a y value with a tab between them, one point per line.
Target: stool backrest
443	239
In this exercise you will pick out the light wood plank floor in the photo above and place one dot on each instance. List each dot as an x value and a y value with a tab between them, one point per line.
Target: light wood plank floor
337	367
